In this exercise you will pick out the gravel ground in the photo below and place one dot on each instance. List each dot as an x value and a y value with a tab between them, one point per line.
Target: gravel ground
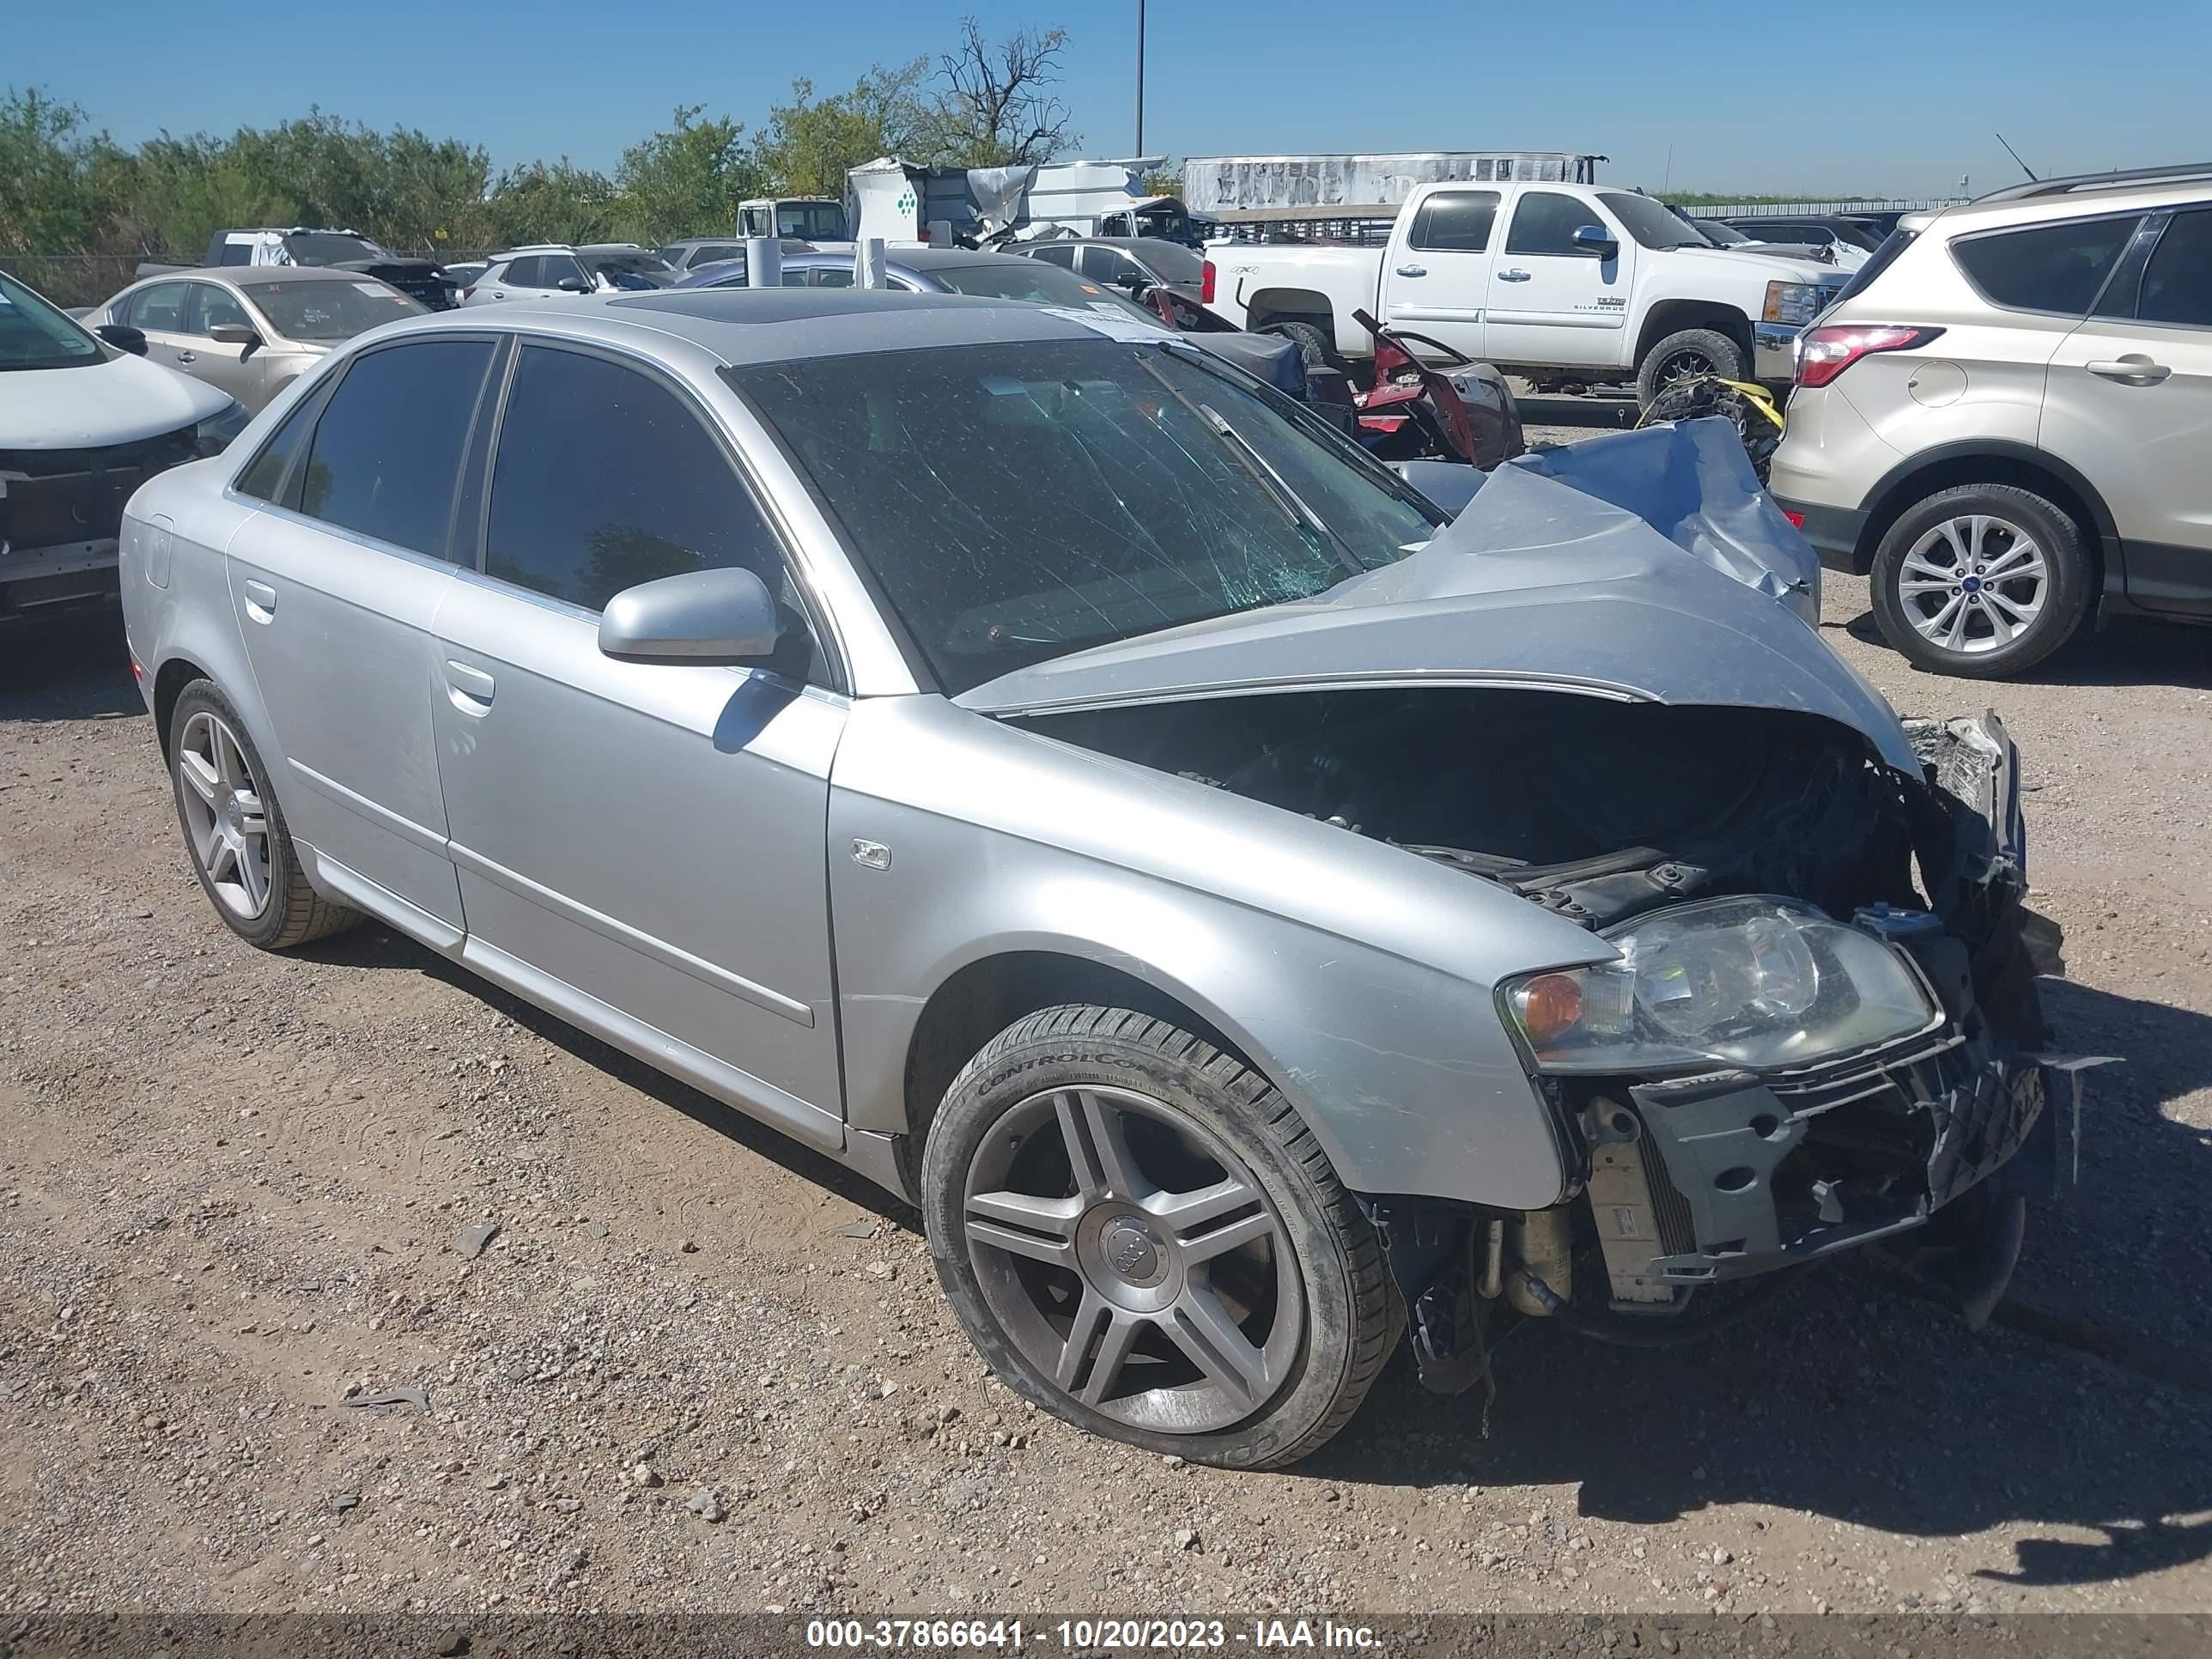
693	1367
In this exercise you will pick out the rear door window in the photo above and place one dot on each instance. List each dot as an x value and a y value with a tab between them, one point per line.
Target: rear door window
161	308
1063	256
523	273
1455	221
2177	283
386	453
2056	267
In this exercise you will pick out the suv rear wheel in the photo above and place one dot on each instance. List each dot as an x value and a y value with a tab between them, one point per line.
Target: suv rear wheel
1982	580
1140	1236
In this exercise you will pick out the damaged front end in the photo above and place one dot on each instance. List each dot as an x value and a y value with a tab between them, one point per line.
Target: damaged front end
1928	1137
1807	1019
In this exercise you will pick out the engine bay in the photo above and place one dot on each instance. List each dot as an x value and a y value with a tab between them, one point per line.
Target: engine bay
1595	808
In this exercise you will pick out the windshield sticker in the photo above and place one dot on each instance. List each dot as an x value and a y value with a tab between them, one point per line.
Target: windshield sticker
375	291
1112	324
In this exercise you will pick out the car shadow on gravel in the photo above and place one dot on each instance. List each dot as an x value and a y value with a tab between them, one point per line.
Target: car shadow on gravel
2130	651
377	947
72	666
2087	1408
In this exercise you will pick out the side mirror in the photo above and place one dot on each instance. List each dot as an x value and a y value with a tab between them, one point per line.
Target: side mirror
573	285
237	334
123	337
1135	280
702	617
1597	240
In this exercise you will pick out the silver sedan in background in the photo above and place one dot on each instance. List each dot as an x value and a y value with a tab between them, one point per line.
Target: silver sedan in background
248	331
1040	767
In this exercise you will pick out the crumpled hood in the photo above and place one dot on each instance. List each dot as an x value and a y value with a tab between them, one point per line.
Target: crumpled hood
1544	581
118	401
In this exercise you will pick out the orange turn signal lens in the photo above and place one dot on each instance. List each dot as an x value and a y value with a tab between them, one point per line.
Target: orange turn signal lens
1550	1004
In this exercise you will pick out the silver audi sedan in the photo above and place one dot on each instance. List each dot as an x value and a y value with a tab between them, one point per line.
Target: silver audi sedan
1036	765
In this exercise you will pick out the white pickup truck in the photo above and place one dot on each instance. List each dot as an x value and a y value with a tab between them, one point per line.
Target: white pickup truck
1569	285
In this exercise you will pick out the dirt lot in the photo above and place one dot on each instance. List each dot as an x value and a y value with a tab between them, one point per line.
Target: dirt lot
697	1369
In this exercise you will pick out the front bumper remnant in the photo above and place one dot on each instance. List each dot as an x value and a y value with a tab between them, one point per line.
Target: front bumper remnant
1746	1174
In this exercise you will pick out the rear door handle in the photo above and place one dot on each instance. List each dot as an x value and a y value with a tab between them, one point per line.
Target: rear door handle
260	601
2134	369
1412	270
1512	276
470	688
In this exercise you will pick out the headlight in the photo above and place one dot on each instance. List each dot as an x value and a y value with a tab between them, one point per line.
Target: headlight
1762	983
213	435
1794	303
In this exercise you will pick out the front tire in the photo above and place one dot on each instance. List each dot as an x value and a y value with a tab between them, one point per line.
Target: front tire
1142	1237
1687	355
1983	581
234	830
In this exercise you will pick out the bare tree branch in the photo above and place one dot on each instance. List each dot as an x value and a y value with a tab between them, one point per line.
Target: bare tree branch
996	110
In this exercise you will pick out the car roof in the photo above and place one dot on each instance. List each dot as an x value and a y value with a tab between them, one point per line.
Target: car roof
238	276
2138	189
740	325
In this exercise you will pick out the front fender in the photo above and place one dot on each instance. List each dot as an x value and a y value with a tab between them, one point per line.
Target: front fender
1397	1062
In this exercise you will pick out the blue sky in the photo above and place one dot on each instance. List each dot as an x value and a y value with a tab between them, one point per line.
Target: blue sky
1879	95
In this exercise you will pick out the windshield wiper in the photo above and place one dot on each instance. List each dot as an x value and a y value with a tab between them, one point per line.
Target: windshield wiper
1272	482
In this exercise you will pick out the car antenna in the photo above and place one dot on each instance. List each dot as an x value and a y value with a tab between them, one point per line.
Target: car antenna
2024	166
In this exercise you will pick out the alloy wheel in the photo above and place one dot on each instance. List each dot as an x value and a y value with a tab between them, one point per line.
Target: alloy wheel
1974	584
1133	1259
225	816
1686	364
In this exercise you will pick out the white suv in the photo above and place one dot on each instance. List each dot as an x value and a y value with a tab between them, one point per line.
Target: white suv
2005	418
530	273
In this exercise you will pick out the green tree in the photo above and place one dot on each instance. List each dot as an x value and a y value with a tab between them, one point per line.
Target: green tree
50	199
809	145
555	203
688	180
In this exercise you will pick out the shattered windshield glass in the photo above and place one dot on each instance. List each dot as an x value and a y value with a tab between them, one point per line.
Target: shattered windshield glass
1018	501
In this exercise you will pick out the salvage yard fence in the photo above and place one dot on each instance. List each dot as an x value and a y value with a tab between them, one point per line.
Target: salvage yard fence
70	279
1821	210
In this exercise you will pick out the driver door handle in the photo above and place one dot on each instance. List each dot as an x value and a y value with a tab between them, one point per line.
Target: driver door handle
188	356
470	689
1412	270
1513	276
2134	369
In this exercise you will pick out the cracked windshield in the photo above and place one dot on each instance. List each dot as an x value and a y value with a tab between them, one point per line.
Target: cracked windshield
1020	501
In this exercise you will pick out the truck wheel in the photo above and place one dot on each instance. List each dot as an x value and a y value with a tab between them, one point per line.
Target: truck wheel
1685	355
1313	345
1142	1238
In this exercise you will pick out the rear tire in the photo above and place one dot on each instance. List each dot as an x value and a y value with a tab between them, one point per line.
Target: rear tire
1982	580
1685	355
1316	347
234	830
1081	1186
